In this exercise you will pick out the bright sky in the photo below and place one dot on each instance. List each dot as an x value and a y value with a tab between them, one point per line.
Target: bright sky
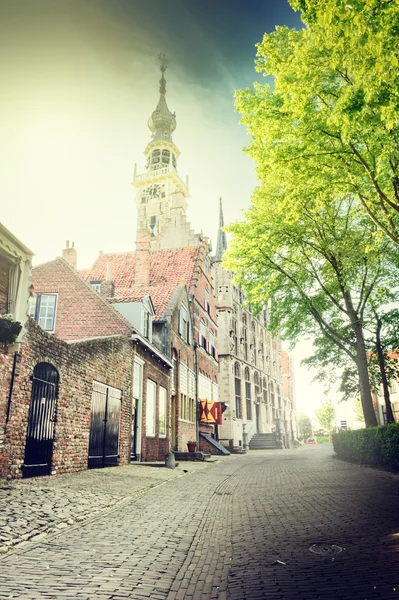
79	82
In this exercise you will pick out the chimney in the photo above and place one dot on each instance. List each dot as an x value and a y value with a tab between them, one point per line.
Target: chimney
70	255
107	288
143	258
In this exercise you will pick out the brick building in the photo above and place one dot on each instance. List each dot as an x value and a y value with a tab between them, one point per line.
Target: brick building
83	388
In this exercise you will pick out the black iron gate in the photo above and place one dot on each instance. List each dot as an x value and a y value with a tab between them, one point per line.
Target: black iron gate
41	421
104	426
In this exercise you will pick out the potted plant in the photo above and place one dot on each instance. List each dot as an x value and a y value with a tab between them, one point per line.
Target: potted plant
192	445
9	329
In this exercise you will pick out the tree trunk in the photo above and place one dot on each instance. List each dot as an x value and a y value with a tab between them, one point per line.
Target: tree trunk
381	363
364	381
361	363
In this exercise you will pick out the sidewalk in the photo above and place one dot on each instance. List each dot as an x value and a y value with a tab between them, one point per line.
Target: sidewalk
30	509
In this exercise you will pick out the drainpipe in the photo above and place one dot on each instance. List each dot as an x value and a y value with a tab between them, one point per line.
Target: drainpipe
196	394
14	368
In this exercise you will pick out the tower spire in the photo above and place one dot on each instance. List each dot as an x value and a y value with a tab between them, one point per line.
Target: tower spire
222	240
162	122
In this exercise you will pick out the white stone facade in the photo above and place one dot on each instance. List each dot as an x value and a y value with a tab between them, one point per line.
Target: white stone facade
250	374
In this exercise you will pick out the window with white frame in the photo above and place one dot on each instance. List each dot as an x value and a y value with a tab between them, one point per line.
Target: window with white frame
138	380
183	407
162	411
43	310
150	408
184	324
147	324
212	349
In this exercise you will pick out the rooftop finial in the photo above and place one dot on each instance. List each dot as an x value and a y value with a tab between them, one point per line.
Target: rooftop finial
164	65
162	122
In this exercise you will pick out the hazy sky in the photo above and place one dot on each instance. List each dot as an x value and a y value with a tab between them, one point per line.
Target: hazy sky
79	80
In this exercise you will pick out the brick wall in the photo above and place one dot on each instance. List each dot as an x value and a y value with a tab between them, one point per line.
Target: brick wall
185	430
81	312
108	360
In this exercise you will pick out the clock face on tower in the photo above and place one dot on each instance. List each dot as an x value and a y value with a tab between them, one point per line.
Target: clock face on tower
152	191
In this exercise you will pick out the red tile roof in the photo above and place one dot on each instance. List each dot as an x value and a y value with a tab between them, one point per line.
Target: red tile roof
168	268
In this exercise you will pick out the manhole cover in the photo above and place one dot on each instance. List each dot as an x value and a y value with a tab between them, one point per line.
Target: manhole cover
322	548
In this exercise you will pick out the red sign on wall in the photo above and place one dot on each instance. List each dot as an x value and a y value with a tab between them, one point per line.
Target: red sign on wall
210	412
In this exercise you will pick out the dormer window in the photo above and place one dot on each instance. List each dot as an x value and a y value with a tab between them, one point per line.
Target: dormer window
96	285
184	324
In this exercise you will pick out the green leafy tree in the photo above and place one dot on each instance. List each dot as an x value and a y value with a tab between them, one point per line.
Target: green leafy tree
327	161
326	414
332	122
305	425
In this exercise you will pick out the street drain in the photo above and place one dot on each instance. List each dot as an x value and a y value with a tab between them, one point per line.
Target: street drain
325	549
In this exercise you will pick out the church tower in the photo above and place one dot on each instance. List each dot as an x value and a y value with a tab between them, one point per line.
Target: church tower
161	196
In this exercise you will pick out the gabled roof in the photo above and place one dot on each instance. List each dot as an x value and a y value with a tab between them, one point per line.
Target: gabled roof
81	311
168	269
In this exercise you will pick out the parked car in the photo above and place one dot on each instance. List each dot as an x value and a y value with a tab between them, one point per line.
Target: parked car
311	440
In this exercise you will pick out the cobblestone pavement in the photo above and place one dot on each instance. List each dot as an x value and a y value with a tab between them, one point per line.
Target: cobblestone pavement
32	508
217	534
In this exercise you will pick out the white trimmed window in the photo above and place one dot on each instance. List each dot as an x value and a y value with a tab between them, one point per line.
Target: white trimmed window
184	324
43	311
138	380
150	408
212	350
162	411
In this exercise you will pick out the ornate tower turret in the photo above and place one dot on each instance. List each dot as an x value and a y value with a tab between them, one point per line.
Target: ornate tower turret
161	194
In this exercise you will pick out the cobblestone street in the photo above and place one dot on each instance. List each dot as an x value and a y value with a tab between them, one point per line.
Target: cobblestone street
215	532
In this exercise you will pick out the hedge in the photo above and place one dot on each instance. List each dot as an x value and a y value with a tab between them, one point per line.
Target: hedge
377	446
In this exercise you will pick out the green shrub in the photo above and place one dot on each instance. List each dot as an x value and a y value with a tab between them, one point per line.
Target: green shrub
371	446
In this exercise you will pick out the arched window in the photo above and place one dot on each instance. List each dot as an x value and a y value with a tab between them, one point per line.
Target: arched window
165	157
257	387
237	388
264	386
271	390
248	394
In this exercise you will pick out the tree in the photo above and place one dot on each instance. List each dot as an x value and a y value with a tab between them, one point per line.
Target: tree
305	425
320	272
327	162
326	414
332	122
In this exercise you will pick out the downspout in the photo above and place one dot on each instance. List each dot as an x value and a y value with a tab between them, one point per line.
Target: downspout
196	394
14	368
